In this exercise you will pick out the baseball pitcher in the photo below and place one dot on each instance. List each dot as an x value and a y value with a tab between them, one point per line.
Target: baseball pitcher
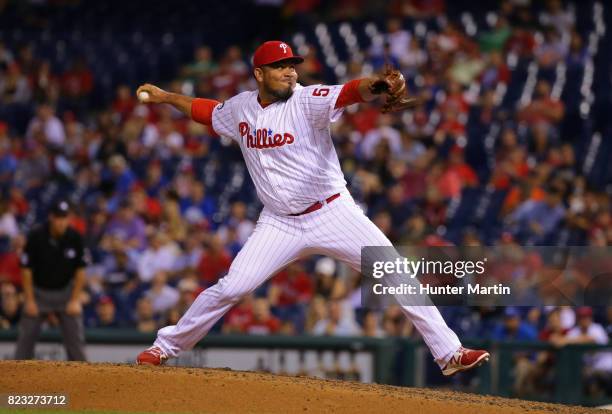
283	131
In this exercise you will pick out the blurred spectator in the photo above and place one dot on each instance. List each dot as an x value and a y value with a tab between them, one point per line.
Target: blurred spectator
538	375
456	166
552	50
105	314
466	67
77	82
372	326
8	223
587	331
418	9
609	321
46	127
395	324
554	331
125	102
127	227
577	54
555	16
162	296
534	221
513	327
239	315
291	286
14	87
495	71
311	70
202	66
145	315
6	57
522	42
261	321
543	109
325	268
398	39
413	58
10	270
337	323
494	40
384	131
120	173
10	310
45	84
119	273
198	206
598	365
214	261
239	221
188	289
161	255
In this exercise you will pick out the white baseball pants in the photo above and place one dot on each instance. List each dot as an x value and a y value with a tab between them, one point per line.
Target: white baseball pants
339	230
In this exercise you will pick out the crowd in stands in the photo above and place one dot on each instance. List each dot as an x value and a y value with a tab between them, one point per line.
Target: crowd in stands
164	207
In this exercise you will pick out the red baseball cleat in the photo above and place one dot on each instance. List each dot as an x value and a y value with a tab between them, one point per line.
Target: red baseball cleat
151	356
465	359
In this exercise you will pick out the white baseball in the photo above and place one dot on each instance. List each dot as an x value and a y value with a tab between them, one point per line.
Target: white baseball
144	96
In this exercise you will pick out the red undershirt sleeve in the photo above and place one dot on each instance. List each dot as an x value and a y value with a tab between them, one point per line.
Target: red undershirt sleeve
201	111
349	94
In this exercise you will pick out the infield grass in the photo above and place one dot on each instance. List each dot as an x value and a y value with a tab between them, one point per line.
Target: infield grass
65	411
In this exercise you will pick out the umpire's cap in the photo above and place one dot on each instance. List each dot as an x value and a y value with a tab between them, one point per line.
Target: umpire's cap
274	51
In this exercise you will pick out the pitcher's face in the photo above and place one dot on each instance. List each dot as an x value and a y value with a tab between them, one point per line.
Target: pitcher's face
277	79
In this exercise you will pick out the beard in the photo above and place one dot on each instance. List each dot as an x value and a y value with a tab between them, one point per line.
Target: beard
281	94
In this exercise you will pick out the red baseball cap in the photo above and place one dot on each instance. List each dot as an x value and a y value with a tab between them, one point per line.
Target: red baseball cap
584	312
274	51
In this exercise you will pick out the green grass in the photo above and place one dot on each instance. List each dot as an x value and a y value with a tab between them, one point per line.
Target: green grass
64	411
52	411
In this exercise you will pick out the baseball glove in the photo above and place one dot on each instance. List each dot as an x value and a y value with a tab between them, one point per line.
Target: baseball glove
392	83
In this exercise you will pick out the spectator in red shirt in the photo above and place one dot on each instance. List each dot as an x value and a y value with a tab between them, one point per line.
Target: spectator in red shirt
76	85
215	261
457	165
544	108
10	270
447	183
419	9
78	80
239	315
511	162
291	286
522	42
450	128
124	102
290	292
365	119
262	321
455	99
554	331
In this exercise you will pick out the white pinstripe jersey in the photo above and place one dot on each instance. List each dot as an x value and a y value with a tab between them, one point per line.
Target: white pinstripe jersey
287	145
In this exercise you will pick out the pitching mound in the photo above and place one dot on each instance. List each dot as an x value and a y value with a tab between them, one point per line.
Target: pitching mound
193	390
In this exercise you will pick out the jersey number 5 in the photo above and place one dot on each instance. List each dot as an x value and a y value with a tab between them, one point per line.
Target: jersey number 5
320	92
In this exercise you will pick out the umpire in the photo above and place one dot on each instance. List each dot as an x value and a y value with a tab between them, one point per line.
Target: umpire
53	268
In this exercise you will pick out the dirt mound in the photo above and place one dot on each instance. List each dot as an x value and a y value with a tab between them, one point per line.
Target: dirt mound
195	390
